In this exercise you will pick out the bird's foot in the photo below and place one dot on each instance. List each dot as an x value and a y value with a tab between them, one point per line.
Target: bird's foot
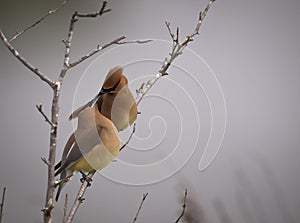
86	178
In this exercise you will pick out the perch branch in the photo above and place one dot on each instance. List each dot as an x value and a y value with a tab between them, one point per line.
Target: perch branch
65	208
2	204
140	207
35	70
49	203
177	50
51	12
183	207
79	198
40	109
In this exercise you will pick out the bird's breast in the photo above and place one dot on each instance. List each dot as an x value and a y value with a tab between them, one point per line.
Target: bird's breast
121	109
98	158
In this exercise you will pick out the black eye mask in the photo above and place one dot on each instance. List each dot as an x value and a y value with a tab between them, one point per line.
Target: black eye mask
109	90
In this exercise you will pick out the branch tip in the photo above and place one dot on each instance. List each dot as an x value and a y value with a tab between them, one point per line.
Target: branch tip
183	206
140	207
2	203
129	138
47	119
19	33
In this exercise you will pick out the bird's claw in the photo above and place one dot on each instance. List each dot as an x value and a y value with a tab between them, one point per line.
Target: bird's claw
86	178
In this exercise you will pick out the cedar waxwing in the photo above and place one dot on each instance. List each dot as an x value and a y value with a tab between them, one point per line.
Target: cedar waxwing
115	101
91	147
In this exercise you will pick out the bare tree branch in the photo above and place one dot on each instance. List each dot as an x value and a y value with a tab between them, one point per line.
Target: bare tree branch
103	8
79	198
67	42
99	13
39	21
65	208
98	49
140	207
40	109
130	136
2	203
25	62
49	203
134	41
177	50
183	207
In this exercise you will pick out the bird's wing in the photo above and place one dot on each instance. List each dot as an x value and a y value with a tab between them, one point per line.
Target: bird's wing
79	143
83	107
72	157
67	148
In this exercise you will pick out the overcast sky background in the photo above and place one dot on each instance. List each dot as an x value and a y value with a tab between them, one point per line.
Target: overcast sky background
253	49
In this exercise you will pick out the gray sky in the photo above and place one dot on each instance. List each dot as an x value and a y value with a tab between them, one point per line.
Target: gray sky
252	50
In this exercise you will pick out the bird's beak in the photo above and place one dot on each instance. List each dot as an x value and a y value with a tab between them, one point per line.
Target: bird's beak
102	92
95	99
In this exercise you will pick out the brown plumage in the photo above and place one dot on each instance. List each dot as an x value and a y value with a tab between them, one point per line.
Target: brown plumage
96	143
91	147
117	104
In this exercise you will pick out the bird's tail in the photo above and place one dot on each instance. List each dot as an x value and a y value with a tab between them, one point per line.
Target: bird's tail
63	176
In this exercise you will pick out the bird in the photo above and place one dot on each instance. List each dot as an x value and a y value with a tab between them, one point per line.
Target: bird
93	146
115	101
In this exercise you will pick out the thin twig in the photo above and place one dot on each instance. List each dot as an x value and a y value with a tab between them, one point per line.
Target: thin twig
98	49
95	14
183	207
168	24
79	198
2	203
134	41
68	41
139	209
130	136
51	12
177	50
103	8
65	208
35	70
40	109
